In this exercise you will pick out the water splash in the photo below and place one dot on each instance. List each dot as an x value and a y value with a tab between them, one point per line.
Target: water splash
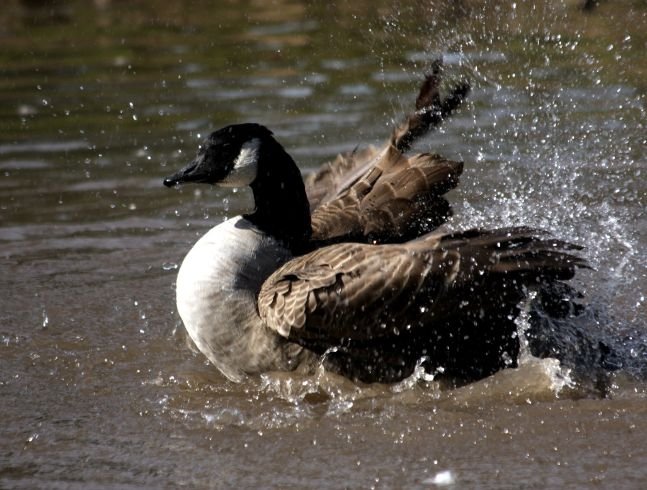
442	478
169	266
419	374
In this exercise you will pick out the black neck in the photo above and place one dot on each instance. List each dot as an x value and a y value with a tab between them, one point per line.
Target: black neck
282	208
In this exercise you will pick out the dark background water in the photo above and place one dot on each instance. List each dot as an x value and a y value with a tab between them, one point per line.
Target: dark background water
100	100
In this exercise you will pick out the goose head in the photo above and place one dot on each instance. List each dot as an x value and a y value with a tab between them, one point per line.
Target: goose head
228	157
248	155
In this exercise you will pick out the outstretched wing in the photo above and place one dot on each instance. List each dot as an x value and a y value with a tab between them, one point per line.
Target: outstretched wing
335	178
431	110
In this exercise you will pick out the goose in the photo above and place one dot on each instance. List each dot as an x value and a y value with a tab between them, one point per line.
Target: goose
348	269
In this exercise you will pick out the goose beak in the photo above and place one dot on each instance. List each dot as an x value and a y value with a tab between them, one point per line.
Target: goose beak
191	173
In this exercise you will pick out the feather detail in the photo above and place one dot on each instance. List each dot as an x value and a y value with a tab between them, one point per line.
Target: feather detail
431	110
334	179
398	199
360	292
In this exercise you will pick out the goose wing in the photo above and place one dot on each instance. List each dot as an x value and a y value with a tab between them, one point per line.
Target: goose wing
353	291
398	199
357	292
380	195
334	178
431	111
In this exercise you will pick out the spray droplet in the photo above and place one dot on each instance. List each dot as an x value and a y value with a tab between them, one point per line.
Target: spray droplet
441	478
169	266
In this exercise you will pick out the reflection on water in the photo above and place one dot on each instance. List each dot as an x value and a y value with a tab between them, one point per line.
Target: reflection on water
99	100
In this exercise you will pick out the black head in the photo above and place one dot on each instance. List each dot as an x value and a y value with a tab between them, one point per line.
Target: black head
227	157
248	155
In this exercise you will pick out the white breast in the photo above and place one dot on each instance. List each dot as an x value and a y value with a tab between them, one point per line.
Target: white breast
216	296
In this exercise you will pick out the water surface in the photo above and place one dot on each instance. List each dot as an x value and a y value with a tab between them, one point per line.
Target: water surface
100	100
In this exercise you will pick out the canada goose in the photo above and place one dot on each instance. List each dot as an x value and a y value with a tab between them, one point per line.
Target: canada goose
347	268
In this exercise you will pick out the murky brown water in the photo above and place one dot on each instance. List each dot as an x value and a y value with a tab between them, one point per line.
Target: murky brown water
99	100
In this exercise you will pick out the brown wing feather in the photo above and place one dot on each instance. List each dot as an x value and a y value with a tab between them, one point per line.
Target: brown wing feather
335	178
399	198
431	110
407	200
352	291
361	293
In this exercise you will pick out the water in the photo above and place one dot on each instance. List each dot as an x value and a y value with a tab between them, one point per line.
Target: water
98	385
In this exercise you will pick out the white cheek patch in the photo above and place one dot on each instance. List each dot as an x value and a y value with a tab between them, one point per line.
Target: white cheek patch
245	166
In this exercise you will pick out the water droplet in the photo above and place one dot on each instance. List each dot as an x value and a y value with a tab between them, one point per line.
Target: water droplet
441	478
169	266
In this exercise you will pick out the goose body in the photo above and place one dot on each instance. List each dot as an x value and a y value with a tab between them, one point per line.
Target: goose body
348	268
218	282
